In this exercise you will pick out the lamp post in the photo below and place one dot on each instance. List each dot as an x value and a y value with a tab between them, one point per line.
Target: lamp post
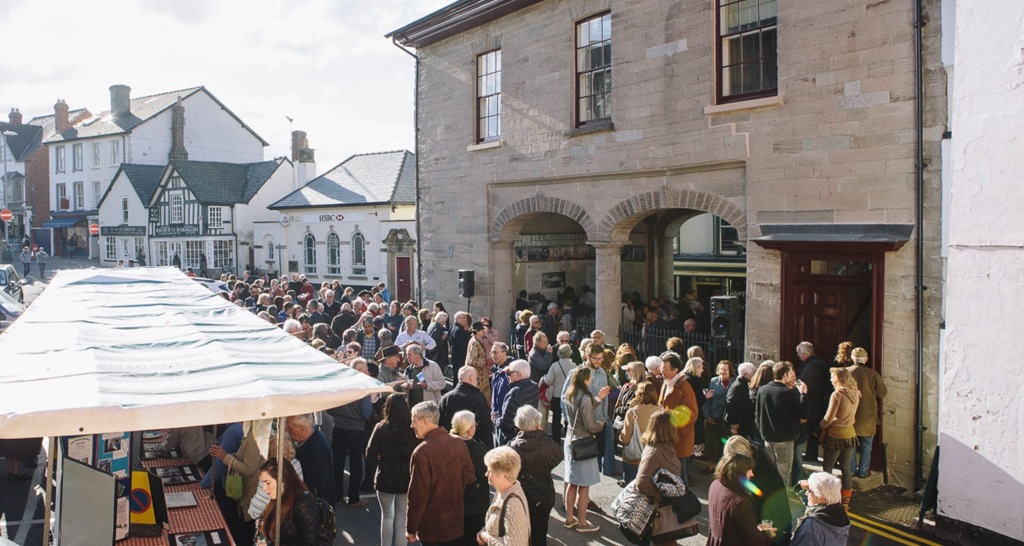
3	188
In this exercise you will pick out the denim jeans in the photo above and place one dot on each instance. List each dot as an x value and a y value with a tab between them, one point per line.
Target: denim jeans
608	466
684	462
798	464
629	471
861	461
392	518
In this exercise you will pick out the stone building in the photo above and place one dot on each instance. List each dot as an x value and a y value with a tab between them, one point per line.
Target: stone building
584	127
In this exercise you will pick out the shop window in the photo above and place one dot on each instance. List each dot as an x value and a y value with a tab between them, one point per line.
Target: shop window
111	249
224	255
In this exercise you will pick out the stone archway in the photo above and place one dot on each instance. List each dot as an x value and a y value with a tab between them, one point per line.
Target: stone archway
510	220
622	218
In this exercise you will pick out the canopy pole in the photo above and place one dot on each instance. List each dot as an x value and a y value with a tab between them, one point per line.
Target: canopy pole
280	477
213	468
50	450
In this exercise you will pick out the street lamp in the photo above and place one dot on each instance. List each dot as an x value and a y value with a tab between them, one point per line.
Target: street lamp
3	187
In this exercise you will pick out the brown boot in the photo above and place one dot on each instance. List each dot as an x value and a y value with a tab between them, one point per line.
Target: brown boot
846	494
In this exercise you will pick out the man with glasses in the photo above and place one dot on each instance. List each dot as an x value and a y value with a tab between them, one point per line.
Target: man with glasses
522	391
499	381
565	338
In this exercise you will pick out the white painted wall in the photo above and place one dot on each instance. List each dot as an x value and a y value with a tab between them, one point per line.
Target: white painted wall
696	235
212	134
982	405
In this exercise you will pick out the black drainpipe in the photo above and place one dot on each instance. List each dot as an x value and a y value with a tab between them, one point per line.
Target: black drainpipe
416	132
919	427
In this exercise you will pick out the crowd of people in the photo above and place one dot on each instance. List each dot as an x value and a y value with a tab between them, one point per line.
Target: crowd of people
472	463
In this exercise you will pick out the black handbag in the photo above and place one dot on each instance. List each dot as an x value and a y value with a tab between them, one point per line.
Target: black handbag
582	449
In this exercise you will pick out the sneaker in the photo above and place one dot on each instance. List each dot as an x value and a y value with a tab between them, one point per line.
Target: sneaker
569	523
587	528
358	504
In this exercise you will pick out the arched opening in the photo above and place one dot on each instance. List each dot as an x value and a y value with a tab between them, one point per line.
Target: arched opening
309	252
358	254
333	254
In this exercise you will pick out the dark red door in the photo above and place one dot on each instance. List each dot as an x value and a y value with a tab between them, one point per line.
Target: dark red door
403	278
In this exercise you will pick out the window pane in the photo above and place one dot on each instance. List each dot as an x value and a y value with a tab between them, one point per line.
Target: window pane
596	57
583	36
769	10
751	77
731	50
583	58
606	26
732	80
492	126
595	31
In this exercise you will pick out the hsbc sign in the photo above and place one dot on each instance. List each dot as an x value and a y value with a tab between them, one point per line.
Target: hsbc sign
330	218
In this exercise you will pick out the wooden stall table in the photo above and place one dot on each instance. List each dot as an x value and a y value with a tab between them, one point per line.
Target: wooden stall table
205	516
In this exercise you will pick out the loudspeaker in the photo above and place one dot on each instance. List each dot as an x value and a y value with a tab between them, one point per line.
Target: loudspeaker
725	316
466	288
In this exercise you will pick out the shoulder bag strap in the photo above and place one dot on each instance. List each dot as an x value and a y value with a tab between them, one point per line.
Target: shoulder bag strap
501	515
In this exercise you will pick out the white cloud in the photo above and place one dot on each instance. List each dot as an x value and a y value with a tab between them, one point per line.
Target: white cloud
325	63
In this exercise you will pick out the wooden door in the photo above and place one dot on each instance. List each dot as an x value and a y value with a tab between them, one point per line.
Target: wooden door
403	278
817	316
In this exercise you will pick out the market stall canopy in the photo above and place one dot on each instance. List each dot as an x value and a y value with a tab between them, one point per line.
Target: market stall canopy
110	350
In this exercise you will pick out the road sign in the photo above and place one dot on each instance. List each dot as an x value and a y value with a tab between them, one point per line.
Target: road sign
6	215
94	229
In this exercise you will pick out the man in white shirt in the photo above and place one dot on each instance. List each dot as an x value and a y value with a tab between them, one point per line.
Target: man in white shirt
412	335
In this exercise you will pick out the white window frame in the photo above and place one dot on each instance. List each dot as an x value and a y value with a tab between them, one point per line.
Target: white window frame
176	212
124	210
95	154
62	194
97	193
309	253
115	152
333	254
215	217
78	191
58	160
111	249
358	254
223	254
76	157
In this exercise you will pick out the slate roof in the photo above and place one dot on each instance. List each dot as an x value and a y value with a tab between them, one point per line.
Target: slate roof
144	178
28	139
141	109
363	179
49	123
218	183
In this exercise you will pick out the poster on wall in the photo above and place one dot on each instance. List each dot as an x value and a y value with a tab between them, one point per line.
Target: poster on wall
112	453
79	448
552	280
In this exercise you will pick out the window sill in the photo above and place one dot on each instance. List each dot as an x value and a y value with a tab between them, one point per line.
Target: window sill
484	146
764	102
593	127
358	278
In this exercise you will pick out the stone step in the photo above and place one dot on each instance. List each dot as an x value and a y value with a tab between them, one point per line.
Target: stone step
874	479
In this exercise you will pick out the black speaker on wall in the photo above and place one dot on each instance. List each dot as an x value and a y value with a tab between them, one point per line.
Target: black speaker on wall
466	283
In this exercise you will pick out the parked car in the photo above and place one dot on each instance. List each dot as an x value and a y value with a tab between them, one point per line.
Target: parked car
10	310
12	282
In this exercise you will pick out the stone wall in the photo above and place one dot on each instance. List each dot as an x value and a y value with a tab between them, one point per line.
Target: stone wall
835	146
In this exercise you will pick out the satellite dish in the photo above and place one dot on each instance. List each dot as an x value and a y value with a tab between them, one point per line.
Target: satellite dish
284	220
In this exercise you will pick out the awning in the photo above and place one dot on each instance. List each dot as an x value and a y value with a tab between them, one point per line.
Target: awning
63	222
111	350
872	237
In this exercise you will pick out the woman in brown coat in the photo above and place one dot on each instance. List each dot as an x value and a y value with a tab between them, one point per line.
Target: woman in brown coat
730	508
659	453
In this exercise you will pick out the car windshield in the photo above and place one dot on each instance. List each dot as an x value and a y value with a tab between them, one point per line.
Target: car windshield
3	277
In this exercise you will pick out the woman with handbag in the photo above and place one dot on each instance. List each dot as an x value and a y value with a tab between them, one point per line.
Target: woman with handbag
245	462
659	453
837	434
581	451
508	521
637	423
731	515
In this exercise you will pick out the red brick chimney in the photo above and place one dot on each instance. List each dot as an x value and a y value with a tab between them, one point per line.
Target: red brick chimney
120	101
178	151
304	158
299	142
60	116
15	116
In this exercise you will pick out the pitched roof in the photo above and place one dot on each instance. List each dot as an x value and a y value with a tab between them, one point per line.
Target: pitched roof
49	122
383	177
28	138
141	109
453	19
218	183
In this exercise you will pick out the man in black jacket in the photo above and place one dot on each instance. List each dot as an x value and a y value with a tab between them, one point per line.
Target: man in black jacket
739	408
815	374
314	454
780	411
521	392
541	356
466	396
460	335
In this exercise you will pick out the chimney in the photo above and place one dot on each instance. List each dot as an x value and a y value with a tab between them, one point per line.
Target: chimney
178	151
60	116
15	117
304	156
120	101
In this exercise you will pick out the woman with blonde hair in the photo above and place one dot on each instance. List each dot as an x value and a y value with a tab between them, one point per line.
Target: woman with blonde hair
623	356
837	433
477	496
580	405
844	353
638	418
508	519
693	372
519	334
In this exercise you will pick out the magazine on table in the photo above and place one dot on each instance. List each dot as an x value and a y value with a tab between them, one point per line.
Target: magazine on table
174	475
200	538
152	451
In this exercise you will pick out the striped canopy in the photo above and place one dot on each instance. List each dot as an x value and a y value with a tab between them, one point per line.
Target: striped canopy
112	350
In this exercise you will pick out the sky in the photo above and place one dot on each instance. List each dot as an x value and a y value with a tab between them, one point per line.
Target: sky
323	63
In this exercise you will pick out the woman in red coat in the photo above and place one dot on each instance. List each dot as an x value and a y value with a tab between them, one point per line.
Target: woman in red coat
730	507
